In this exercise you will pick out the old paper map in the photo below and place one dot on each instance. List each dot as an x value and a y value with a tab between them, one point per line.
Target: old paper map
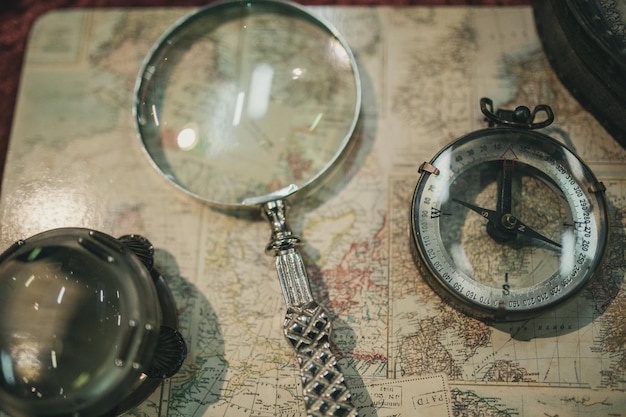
75	160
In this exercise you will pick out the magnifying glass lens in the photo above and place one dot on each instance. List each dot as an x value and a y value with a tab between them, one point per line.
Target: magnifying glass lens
246	99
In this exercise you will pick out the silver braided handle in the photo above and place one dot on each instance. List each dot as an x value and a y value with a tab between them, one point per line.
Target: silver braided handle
325	390
307	326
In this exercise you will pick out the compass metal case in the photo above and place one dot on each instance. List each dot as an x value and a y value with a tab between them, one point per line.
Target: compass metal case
506	221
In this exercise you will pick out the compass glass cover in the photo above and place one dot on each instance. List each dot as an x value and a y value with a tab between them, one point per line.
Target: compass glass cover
510	223
79	319
247	99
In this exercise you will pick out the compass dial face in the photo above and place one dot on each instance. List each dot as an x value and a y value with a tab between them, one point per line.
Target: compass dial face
508	223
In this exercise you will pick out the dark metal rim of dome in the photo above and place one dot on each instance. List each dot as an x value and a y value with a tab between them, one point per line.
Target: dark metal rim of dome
588	67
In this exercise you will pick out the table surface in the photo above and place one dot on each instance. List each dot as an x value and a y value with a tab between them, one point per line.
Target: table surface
18	16
423	71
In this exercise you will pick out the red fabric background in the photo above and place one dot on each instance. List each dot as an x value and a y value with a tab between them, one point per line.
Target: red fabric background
17	17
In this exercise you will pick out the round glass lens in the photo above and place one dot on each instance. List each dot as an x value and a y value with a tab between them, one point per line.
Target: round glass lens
246	100
79	319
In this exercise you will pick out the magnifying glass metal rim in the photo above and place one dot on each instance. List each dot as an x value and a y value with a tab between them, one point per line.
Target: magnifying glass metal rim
307	326
299	12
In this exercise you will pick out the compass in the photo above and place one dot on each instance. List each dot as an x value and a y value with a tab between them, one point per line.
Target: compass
508	222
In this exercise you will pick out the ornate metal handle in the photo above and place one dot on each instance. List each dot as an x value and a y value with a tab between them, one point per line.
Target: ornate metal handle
307	326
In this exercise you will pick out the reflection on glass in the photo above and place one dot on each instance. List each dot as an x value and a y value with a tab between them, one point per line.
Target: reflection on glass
74	316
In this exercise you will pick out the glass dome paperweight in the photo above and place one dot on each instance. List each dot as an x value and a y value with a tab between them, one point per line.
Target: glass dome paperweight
87	325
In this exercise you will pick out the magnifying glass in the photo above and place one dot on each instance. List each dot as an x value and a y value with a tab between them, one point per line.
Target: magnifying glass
243	104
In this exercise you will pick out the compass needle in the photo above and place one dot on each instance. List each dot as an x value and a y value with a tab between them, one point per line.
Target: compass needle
507	221
490	215
524	230
505	267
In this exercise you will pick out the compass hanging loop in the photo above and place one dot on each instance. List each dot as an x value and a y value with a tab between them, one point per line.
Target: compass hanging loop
521	117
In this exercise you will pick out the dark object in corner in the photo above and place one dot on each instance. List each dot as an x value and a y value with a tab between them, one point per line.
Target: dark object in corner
585	42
